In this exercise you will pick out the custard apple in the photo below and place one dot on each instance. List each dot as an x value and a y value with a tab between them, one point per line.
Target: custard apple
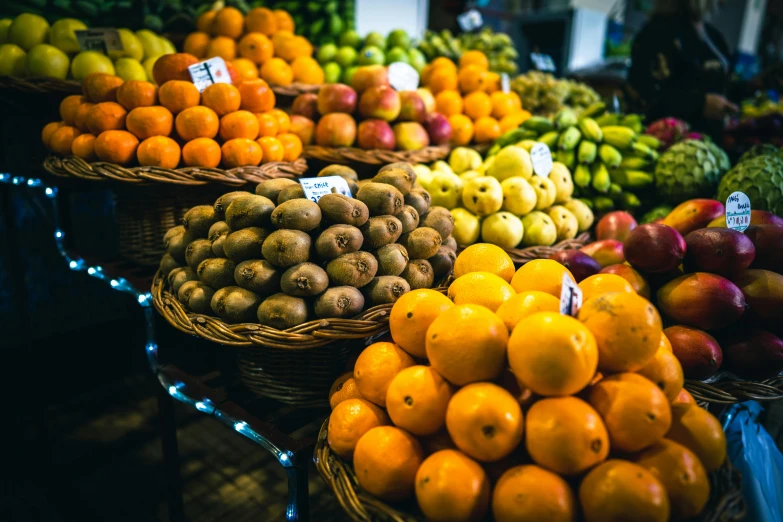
761	149
687	170
724	164
761	179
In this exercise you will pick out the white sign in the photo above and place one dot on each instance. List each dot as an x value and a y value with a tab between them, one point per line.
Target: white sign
570	297
315	188
542	62
470	20
738	211
208	72
542	159
403	77
99	39
505	83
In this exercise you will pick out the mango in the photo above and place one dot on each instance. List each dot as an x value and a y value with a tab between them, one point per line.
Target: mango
768	241
719	251
615	225
693	215
654	248
702	300
753	354
699	353
763	291
757	217
606	251
627	272
578	263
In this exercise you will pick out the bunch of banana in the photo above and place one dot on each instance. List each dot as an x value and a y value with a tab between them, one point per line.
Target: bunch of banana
498	47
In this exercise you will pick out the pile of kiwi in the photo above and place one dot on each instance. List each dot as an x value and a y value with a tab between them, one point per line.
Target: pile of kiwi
280	259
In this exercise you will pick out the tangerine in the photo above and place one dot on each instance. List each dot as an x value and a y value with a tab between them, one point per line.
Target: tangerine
283	120
448	103
222	46
411	316
375	368
452	487
522	305
196	43
246	69
116	146
284	21
545	275
443	79
197	122
221	98
484	257
205	20
101	87
257	96
514	120
486	129
306	70
292	146
256	47
81	116
617	489
267	124
665	371
386	460
461	129
241	152
480	288
137	93
261	20
272	149
146	122
277	71
83	147
531	493
471	78
201	152
158	151
417	399
178	95
48	131
62	139
106	116
598	284
229	22
239	124
699	431
505	104
350	419
474	58
69	106
173	67
684	397
477	106
343	388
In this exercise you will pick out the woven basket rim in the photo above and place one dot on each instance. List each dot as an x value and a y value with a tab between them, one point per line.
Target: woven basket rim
77	168
346	155
363	507
731	389
521	256
40	84
294	89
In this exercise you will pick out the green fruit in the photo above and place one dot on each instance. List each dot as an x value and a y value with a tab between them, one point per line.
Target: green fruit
5	23
326	53
761	179
167	46
758	150
28	30
63	34
417	59
371	55
398	38
375	39
88	62
724	164
148	64
130	69
397	54
539	229
150	43
335	25
332	72
350	38
153	23
348	74
345	57
12	60
131	46
466	227
47	60
503	229
656	213
687	170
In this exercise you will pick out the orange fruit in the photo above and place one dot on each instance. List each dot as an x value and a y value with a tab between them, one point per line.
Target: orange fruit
665	371
204	21
69	106
443	79
197	122
531	493
350	419
245	68
62	139
598	284
467	343
222	46
81	116
552	354
522	305
283	120
106	116
615	490
375	368
221	98
474	58
635	411
201	152
416	400
492	83
386	460
292	146
342	389
461	129
471	78
665	343
514	120
306	70
681	474
48	131
277	71
565	435
484	421
158	151
699	431
272	149
261	20
241	152
101	87
284	21
486	129
137	93
229	22
544	275
146	122
627	329
505	104
116	146
196	43
451	486
480	288
256	47
484	257
267	124
448	103
684	397
411	316
239	124
178	95
442	62
478	105
173	67
83	146
256	96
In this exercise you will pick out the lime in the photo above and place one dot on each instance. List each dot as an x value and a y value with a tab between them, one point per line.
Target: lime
398	38
397	54
376	40
345	57
332	72
150	42
348	74
371	55
130	69
5	23
350	38
417	59
326	53
47	60
131	46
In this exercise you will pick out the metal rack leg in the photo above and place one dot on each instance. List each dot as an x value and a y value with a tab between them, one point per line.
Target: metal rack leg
171	464
298	507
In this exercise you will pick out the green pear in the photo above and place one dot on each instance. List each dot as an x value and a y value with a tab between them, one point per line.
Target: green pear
483	195
511	161
583	213
442	166
564	185
131	46
539	229
545	191
63	34
463	159
519	198
445	189
565	222
485	166
527	144
467	227
503	229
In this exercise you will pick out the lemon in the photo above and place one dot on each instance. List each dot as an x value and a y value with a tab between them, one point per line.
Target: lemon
167	46
131	46
46	60
150	43
28	30
130	69
88	62
63	34
148	64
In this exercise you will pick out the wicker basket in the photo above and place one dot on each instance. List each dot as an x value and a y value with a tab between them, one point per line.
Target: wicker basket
40	84
725	505
285	94
352	155
731	390
520	256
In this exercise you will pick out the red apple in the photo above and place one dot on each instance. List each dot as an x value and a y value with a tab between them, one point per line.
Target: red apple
606	252
439	128
615	225
369	76
303	127
412	107
376	134
306	105
336	98
380	102
411	136
336	129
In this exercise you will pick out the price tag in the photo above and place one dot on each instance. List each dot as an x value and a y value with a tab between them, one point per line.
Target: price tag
208	72
542	62
470	20
542	159
99	39
315	188
738	211
505	83
403	77
570	297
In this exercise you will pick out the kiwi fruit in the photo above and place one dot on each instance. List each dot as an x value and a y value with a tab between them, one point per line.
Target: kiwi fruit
406	167
290	192
304	279
167	264
338	240
257	275
355	269
197	251
219	228
216	272
385	290
217	246
283	311
418	274
422	243
443	262
344	171
224	201
180	276
419	199
286	248
235	305
381	230
271	188
450	243
396	177
198	220
170	233
343	210
440	219
297	214
196	297
244	244
392	259
381	199
249	211
176	245
339	301
409	218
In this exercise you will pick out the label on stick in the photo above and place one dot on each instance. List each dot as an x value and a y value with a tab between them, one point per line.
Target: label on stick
541	157
315	188
403	77
103	39
505	83
738	211
570	297
208	72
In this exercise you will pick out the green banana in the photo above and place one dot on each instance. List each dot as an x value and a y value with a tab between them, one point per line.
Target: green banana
607	119
593	110
549	139
514	136
582	176
609	155
494	149
601	178
565	118
603	204
615	190
591	130
650	141
539	124
587	151
619	137
567	158
630	200
628	178
642	150
631	119
569	139
632	162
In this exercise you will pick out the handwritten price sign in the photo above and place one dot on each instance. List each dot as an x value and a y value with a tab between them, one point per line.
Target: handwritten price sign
738	211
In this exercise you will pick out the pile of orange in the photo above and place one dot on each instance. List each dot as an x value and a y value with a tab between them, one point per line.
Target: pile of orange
259	44
490	400
135	122
470	96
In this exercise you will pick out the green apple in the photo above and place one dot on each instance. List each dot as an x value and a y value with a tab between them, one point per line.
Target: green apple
482	196
565	222
332	72
12	60
582	212
470	174
63	34
326	53
398	38
88	62
131	46
28	30
442	166
503	229
348	74
397	54
539	229
417	59
445	189
463	159
423	175
375	39
47	60
564	185
345	57
130	69
150	43
350	38
467	227
519	198
371	55
5	23
545	192
511	161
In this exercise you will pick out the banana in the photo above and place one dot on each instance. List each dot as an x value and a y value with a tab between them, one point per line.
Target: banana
603	204
601	178
607	119
565	118
631	119
567	158
628	178
593	110
630	200
515	135
615	190
569	139
582	176
619	137
549	139
609	155
642	150
591	130
650	141
587	151
539	124
632	162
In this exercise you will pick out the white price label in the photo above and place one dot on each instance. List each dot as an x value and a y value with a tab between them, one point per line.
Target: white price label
570	297
208	72
542	62
101	39
315	188
542	159
403	77
505	83
470	20
738	211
